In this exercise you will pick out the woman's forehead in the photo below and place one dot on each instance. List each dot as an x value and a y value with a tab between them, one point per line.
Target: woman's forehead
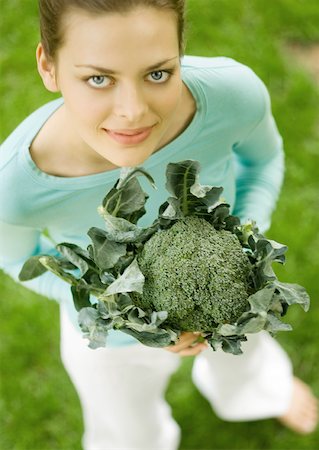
146	35
142	20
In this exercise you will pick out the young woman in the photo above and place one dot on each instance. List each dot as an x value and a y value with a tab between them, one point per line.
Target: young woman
129	97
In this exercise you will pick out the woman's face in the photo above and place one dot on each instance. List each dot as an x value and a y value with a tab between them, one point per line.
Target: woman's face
121	82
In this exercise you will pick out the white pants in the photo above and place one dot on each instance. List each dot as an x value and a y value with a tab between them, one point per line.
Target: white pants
122	389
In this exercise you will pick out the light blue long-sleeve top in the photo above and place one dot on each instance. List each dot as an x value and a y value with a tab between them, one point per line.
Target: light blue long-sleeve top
233	135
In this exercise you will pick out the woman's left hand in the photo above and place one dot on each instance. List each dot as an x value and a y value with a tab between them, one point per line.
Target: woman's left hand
188	344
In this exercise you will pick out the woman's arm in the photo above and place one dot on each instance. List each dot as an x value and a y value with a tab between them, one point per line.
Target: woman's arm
17	244
259	168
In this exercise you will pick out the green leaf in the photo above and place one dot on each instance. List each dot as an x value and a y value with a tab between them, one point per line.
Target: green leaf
231	223
254	324
121	230
278	251
232	346
161	338
106	252
94	281
264	253
127	173
229	344
193	198
81	295
248	323
261	300
93	327
170	210
211	194
131	280
127	199
219	215
53	264
214	342
268	251
123	263
136	316
274	324
227	329
293	294
181	177
32	268
107	278
76	255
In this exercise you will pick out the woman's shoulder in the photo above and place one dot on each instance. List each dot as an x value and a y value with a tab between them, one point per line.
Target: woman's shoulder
16	184
232	85
218	68
195	61
25	132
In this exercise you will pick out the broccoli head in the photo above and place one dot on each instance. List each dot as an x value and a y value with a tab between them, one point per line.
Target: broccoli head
198	274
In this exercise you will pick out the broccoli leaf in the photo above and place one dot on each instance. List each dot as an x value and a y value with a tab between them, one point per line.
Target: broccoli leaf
127	173
268	251
170	210
121	230
32	268
106	278
293	293
106	252
112	307
229	344
93	327
147	328
81	295
219	215
232	346
248	323
132	279
182	182
127	199
160	338
274	324
261	300
54	265
76	255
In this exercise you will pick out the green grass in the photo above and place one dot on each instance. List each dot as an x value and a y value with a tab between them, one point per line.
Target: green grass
39	408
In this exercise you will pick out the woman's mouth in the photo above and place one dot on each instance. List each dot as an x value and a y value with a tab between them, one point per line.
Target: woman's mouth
130	137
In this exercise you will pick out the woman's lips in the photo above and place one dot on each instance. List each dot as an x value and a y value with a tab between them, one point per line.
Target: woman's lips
129	137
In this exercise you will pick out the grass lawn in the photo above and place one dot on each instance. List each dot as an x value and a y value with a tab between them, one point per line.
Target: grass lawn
39	408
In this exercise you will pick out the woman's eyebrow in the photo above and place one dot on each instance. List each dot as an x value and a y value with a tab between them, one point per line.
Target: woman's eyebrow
110	71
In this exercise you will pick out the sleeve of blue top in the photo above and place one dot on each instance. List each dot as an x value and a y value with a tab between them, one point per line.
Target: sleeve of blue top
17	243
260	168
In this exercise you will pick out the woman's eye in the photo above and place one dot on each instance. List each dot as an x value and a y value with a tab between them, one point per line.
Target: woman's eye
99	81
159	76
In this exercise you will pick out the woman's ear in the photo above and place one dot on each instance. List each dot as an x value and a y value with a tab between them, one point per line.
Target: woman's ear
46	68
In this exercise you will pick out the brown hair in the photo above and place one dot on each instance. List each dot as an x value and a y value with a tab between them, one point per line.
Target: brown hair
53	11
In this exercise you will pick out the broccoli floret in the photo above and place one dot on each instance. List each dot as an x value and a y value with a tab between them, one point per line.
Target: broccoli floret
198	274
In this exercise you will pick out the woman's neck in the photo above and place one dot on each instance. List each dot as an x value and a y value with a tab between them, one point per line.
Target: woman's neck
63	153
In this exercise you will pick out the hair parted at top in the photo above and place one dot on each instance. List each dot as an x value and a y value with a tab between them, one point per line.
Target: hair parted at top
52	13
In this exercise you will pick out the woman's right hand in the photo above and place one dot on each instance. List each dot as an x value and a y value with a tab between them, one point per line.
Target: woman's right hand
188	344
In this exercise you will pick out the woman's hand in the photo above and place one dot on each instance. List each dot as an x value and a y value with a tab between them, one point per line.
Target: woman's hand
188	344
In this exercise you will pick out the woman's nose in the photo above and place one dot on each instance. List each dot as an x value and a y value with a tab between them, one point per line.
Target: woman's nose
131	104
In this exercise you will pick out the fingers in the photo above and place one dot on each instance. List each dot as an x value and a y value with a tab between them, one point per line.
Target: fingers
187	345
194	350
